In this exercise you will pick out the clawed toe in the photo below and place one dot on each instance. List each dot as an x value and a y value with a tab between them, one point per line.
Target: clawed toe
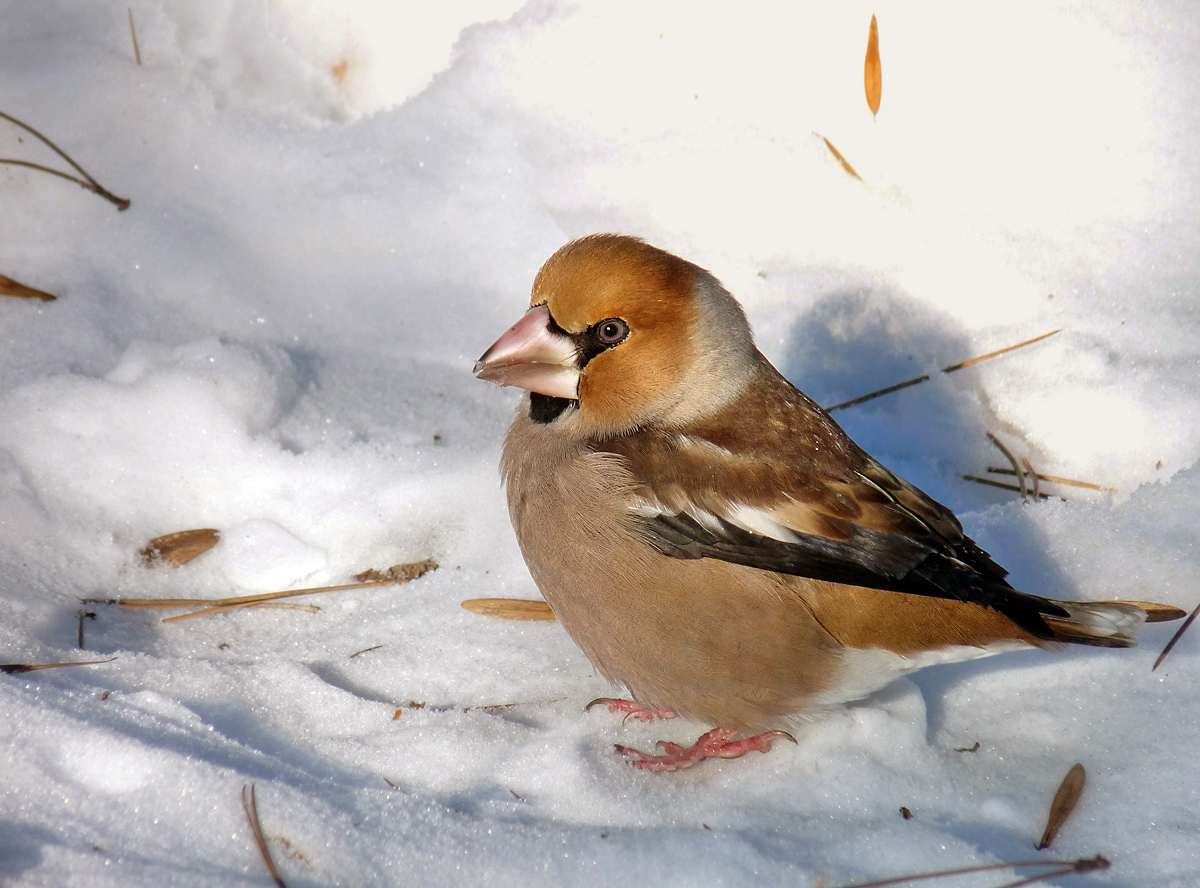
717	743
632	710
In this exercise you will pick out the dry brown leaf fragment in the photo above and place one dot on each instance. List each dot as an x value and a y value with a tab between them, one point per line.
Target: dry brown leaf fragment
398	573
845	163
180	547
9	287
872	71
1064	803
18	668
510	608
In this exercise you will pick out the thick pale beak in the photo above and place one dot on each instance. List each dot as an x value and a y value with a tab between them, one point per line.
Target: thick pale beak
533	356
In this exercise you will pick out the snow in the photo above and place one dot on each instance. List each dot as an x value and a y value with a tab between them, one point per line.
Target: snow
276	340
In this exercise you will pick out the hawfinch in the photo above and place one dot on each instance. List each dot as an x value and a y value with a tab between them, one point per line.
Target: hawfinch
708	535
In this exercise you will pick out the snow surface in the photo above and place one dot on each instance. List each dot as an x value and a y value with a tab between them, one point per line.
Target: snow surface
276	340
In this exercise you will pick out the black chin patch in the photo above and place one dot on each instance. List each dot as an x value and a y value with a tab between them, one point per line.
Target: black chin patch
544	409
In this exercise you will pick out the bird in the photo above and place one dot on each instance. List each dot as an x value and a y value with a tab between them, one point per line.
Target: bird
706	533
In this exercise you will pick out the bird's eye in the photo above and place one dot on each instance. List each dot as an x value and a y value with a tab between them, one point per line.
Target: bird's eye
612	331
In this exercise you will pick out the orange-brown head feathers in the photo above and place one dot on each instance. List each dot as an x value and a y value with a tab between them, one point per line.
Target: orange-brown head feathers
688	348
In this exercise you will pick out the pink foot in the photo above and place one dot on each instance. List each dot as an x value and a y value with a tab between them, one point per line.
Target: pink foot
717	743
632	710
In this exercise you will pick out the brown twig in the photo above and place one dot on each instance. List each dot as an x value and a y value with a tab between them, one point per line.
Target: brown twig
1020	473
993	483
1060	868
90	184
137	53
1055	479
952	368
84	615
250	806
1175	638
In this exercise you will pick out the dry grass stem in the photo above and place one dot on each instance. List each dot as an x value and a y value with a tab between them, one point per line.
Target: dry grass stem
250	806
1017	470
872	70
18	668
510	608
1175	638
1055	479
180	547
9	287
1057	868
1064	803
218	605
993	483
87	181
951	369
137	53
307	608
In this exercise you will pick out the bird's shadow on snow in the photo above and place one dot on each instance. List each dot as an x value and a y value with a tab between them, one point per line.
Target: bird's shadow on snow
856	340
21	848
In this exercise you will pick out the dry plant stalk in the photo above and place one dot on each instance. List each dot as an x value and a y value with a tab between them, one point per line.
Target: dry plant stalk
1175	638
121	203
1064	803
992	483
250	806
845	163
1020	473
951	369
1055	479
18	668
510	608
872	70
137	53
1056	868
403	573
9	287
180	547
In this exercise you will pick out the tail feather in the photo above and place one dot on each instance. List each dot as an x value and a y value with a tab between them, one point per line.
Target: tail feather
1097	623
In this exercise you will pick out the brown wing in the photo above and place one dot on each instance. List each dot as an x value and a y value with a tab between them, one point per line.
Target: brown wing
773	483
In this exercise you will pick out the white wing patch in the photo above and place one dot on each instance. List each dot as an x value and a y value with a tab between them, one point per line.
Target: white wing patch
760	521
748	518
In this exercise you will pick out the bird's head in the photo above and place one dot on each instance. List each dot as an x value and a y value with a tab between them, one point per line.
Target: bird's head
621	335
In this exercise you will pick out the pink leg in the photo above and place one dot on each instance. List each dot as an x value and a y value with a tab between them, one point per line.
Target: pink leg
632	710
717	743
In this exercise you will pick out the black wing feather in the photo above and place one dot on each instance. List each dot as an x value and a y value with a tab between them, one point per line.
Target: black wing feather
869	558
